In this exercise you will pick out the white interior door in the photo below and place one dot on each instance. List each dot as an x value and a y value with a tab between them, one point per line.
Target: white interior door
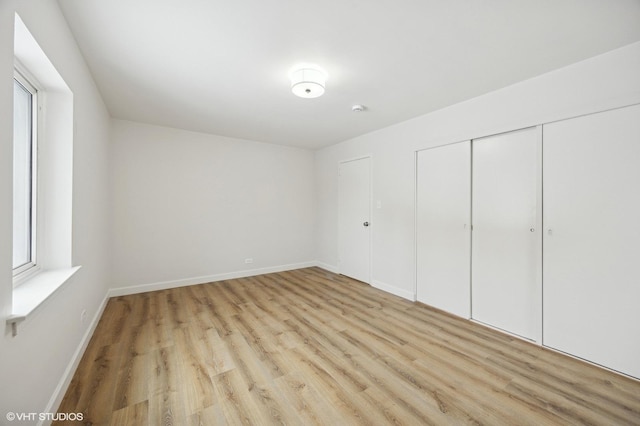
354	217
592	238
444	228
506	235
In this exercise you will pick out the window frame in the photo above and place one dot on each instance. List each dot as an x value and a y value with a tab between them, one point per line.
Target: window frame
30	84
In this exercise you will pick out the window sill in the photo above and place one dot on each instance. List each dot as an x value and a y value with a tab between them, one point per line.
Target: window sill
35	291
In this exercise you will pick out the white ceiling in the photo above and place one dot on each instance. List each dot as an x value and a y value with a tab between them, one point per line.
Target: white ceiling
221	66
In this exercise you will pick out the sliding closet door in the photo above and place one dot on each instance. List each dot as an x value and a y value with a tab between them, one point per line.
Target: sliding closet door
443	227
592	238
506	234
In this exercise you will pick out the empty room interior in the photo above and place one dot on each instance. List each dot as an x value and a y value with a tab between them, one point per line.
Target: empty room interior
331	213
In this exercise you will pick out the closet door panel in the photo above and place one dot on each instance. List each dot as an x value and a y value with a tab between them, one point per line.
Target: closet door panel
505	242
443	228
592	238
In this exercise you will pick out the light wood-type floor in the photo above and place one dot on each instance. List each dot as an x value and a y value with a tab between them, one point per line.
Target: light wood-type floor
310	347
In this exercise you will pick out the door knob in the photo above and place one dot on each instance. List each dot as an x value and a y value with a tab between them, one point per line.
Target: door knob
366	224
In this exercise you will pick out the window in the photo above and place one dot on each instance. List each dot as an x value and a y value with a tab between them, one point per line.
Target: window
43	156
25	107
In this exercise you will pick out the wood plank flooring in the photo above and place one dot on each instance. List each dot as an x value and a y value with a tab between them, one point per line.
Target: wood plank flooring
309	347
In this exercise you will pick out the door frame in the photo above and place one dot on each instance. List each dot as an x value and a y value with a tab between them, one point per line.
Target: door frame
539	308
370	196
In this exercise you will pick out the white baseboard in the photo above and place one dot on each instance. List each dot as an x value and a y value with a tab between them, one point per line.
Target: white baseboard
164	285
409	295
65	380
327	267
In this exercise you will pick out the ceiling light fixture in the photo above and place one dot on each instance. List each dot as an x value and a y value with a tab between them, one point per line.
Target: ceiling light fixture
358	108
308	81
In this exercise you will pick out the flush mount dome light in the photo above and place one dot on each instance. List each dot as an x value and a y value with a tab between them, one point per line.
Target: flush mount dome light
308	81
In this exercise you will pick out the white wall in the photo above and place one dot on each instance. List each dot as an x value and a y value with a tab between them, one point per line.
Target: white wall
604	82
191	207
33	364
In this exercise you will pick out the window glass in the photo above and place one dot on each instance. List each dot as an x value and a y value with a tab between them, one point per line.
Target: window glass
23	99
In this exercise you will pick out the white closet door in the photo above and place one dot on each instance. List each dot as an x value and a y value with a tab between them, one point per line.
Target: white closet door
506	236
592	238
443	228
354	239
